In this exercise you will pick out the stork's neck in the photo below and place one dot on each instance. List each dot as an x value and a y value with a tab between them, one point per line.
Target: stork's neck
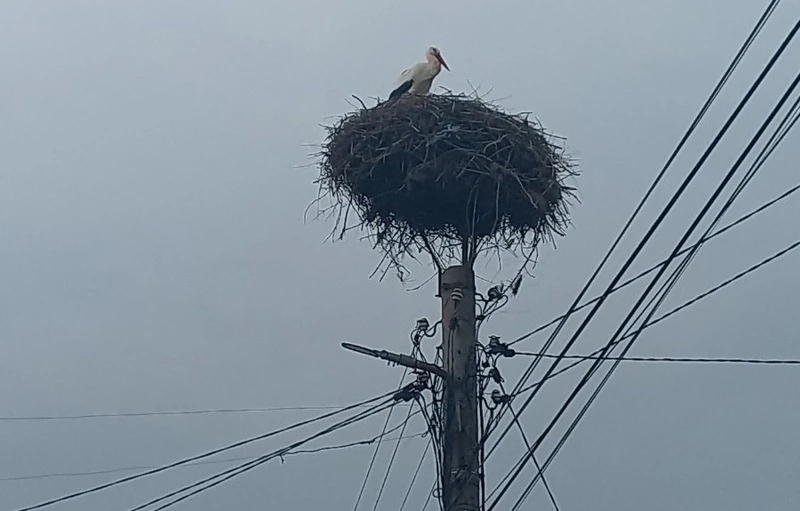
434	62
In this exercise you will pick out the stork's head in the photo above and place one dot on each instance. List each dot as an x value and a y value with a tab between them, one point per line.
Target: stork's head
433	53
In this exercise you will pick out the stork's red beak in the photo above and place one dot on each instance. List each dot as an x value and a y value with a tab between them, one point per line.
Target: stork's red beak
440	59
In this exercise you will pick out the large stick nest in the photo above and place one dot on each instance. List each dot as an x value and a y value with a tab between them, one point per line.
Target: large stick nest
439	170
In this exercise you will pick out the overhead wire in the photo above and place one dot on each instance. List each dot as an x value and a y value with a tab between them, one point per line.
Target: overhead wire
654	226
789	122
416	474
582	358
490	360
700	360
391	462
740	220
685	305
683	240
377	447
596	355
438	450
727	282
224	476
599	300
653	268
695	122
207	454
209	411
702	240
515	418
596	363
785	126
348	445
430	496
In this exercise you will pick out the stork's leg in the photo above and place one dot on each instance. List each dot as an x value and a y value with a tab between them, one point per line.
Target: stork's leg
402	89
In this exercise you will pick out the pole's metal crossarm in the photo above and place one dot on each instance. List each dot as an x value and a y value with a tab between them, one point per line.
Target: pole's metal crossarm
397	358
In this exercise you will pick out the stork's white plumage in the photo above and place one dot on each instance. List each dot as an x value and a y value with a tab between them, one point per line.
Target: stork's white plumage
418	78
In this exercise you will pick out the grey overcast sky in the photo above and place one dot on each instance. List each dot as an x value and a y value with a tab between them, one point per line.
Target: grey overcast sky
153	178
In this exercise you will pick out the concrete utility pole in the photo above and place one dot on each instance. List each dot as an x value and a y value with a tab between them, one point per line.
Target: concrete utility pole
460	470
460	482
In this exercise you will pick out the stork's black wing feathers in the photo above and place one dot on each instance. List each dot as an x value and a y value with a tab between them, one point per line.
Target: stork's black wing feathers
402	89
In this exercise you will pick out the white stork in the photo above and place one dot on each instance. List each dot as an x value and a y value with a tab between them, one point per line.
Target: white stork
418	78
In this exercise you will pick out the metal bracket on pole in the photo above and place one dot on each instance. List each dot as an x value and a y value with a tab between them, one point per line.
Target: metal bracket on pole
397	358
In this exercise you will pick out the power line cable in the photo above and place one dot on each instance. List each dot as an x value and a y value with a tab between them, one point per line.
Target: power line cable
778	135
652	284
377	447
668	287
210	411
704	109
787	124
740	220
699	360
230	473
583	411
538	467
416	473
702	240
430	497
686	305
653	268
191	459
358	443
391	462
789	121
598	302
681	307
671	203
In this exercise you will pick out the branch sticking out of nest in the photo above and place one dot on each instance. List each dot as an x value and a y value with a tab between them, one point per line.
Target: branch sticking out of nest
448	174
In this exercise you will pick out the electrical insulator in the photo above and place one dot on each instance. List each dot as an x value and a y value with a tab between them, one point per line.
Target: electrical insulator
423	379
498	398
423	324
457	295
407	393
